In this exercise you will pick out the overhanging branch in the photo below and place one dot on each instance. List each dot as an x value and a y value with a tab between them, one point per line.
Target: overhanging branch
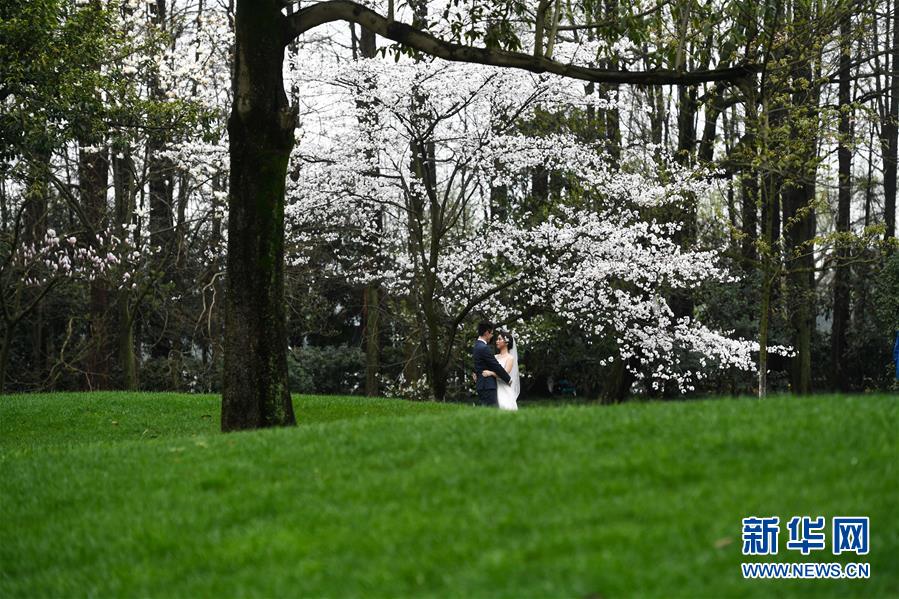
346	10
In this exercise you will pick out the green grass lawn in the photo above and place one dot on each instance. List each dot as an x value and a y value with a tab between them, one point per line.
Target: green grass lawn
113	494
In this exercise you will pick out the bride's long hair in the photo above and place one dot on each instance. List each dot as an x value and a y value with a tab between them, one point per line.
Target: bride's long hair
507	337
510	346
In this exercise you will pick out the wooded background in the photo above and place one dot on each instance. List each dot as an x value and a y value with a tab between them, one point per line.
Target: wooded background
114	183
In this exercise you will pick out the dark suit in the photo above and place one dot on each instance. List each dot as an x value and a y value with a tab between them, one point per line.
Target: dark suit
486	385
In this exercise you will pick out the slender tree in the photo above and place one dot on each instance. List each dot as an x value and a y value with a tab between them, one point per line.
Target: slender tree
368	49
844	200
890	132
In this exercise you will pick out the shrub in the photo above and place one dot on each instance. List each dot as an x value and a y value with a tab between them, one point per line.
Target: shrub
330	370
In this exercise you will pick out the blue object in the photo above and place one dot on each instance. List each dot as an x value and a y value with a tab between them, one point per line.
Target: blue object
760	535
896	355
806	535
850	535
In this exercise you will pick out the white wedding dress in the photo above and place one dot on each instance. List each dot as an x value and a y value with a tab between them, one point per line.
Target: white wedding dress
507	393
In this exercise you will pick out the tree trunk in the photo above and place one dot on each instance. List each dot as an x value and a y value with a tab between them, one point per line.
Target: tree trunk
681	300
372	293
424	168
767	281
749	184
841	273
539	188
618	384
123	183
160	178
127	356
372	339
4	355
610	91
800	262
769	262
93	177
255	390
713	109
749	191
799	219
35	210
890	132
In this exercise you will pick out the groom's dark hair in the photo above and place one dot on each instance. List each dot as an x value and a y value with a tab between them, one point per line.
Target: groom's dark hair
484	326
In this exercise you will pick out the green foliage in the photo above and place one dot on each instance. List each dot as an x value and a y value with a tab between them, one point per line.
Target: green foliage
138	495
886	294
868	355
50	51
336	369
60	76
180	373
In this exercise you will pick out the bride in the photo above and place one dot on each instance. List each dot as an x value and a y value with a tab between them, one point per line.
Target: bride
507	394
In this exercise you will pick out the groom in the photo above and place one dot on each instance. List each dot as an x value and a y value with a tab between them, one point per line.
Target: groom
484	360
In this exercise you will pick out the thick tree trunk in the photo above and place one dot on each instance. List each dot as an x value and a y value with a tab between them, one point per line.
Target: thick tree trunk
800	264
841	273
261	129
123	183
93	175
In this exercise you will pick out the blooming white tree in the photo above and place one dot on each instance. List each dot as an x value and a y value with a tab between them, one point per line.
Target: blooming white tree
598	260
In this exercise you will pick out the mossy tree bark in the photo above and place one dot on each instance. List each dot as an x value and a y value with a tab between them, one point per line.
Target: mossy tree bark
255	392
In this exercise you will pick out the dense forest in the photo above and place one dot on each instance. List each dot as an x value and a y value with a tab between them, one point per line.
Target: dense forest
701	199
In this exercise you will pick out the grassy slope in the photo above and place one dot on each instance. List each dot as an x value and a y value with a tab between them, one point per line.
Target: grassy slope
114	494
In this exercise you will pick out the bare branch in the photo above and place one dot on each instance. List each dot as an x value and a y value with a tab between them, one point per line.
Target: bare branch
346	10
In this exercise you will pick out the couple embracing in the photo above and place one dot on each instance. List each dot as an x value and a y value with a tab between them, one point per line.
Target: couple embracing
496	376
